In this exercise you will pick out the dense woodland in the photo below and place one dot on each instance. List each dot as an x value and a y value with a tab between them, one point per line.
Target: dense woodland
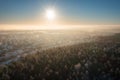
96	60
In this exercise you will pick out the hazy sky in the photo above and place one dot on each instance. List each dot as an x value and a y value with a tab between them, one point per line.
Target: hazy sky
67	11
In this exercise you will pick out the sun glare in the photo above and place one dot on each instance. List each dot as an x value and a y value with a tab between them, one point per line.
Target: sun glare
50	14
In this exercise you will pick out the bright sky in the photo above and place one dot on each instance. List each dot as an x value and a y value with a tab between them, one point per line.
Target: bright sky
67	12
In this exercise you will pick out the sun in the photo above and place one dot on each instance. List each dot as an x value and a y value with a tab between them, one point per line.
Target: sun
50	14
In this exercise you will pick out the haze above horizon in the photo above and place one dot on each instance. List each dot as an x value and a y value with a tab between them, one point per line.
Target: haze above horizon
67	12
